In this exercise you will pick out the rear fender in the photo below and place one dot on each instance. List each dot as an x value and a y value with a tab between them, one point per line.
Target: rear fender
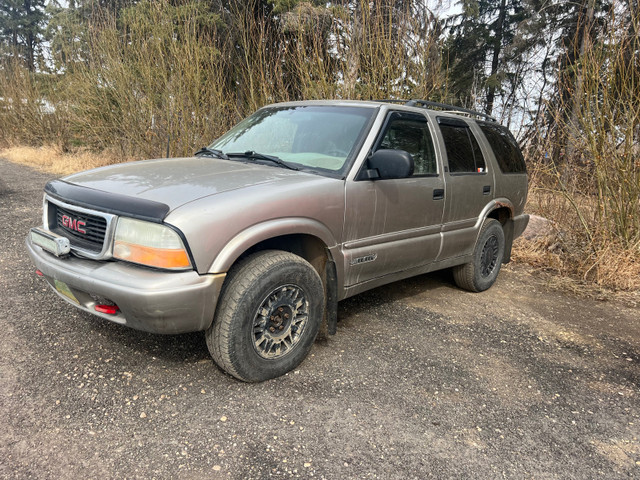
505	220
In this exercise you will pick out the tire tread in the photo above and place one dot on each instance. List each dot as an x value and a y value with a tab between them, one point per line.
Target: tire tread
219	337
465	275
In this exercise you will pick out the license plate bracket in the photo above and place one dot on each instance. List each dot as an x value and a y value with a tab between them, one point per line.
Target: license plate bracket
63	289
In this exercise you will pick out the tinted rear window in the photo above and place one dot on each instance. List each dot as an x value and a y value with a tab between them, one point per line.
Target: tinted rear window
505	148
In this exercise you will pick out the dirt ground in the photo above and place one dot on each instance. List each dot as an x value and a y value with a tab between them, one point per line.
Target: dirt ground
422	380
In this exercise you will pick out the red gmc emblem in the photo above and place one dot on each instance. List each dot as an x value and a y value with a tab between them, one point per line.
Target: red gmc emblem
73	224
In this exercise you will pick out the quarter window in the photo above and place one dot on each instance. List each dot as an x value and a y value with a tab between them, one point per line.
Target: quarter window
463	152
505	148
410	132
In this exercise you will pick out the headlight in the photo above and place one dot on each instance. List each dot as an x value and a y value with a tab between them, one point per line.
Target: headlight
149	244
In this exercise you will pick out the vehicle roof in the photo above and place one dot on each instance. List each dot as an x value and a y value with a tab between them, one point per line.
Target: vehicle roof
387	105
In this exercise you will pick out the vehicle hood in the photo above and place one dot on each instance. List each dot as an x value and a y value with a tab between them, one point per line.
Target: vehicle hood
177	181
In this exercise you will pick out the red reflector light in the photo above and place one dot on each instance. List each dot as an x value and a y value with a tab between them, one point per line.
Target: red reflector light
39	273
108	309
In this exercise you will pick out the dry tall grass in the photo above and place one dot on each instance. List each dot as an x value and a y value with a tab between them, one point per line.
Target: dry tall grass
567	250
31	109
54	160
593	192
170	76
153	83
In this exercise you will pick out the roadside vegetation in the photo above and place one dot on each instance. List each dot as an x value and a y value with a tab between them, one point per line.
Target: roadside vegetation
87	83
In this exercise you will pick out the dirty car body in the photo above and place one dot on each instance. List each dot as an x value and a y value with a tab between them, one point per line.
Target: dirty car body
256	239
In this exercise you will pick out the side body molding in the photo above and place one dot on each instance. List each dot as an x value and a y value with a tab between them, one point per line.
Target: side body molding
267	230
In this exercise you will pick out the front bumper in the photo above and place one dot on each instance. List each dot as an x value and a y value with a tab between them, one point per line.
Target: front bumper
150	300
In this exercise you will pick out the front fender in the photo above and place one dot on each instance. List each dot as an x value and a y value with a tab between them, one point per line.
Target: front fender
265	231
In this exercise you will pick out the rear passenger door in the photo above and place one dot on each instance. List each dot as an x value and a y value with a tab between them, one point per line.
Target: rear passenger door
469	186
393	225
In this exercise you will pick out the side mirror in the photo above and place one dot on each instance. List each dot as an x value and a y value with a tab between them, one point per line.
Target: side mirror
387	164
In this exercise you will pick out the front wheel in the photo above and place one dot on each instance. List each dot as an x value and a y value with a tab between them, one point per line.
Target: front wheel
482	271
268	316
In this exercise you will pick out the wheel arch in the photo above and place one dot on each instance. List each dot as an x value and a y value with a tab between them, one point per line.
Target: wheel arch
303	237
503	211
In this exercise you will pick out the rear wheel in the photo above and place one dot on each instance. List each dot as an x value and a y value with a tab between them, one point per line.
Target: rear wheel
482	271
268	316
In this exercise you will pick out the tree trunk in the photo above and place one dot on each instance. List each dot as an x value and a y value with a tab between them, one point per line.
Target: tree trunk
29	38
495	62
583	35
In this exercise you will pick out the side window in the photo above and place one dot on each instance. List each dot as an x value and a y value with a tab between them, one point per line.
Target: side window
410	132
505	148
463	151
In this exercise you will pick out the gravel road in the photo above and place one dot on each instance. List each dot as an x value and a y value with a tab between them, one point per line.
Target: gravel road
422	381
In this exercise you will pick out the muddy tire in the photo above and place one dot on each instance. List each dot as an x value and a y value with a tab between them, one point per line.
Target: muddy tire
267	317
482	271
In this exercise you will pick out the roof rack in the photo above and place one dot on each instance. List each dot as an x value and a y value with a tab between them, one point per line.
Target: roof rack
444	106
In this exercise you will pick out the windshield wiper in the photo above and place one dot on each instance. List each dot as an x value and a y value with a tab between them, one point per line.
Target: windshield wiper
211	152
261	156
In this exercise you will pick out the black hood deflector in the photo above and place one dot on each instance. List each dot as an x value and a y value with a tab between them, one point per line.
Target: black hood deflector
107	202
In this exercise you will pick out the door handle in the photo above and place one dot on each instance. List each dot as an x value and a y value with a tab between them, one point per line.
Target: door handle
486	190
438	193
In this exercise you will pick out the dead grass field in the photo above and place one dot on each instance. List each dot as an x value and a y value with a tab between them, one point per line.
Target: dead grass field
53	160
570	245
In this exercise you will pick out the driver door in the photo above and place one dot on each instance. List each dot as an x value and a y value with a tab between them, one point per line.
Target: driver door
394	225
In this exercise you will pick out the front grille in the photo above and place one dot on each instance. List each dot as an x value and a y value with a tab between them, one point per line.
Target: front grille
94	226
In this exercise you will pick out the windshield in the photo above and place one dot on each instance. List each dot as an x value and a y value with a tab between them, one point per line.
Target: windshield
315	137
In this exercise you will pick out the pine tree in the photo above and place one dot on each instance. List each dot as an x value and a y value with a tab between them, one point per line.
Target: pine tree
480	49
21	29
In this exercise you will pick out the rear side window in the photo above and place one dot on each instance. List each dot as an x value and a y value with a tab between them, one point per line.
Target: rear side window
505	148
463	151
